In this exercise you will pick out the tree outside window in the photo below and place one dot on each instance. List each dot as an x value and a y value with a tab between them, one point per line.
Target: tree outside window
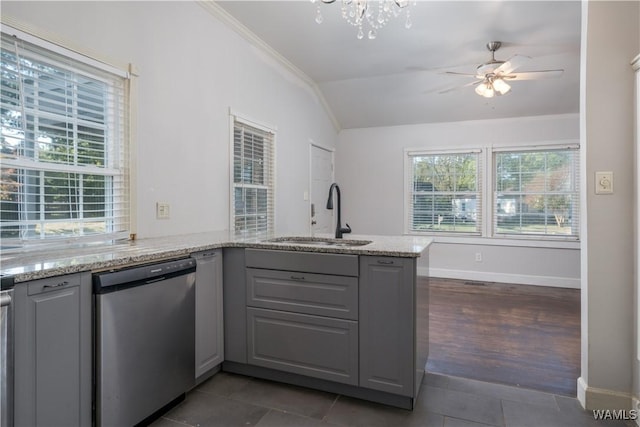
445	193
537	192
63	147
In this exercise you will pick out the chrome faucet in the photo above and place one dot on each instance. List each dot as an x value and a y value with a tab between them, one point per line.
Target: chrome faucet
340	230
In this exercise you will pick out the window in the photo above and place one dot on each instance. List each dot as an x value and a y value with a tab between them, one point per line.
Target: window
536	192
444	192
532	193
253	183
64	152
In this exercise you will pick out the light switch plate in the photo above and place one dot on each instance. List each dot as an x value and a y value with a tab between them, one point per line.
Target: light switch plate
604	182
162	210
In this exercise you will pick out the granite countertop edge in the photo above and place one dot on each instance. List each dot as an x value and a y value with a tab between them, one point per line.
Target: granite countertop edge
33	266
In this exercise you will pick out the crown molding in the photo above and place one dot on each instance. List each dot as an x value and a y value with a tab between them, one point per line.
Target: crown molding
218	12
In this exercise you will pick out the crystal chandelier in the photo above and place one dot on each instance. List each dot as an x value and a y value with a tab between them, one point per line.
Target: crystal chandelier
369	13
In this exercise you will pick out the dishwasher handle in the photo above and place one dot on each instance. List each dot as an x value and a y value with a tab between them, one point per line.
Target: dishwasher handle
5	299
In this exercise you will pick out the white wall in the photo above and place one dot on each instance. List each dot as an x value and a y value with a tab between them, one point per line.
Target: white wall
636	334
192	69
370	171
611	39
636	309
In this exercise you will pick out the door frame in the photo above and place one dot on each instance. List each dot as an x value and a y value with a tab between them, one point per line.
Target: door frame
331	150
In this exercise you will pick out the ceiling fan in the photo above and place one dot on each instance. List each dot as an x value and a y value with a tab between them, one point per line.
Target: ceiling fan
492	76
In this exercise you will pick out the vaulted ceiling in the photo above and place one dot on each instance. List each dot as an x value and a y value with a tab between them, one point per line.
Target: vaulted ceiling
398	77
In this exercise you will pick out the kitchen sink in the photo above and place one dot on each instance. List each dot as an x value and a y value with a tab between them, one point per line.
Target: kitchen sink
318	241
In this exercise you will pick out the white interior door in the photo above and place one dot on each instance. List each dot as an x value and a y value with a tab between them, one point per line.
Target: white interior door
321	219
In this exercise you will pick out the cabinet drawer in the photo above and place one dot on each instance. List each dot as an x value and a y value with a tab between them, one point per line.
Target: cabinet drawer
307	345
53	283
308	262
308	293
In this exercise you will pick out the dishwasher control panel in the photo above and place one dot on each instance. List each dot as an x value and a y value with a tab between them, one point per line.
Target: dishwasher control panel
110	281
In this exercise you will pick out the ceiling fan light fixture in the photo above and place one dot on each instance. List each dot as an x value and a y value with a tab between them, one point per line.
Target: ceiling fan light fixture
501	86
485	89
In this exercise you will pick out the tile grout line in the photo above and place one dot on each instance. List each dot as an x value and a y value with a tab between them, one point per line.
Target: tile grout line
270	408
335	400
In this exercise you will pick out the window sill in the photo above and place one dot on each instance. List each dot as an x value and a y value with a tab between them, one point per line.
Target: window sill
504	241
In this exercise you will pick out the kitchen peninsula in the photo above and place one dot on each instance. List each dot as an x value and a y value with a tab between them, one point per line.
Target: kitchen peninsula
26	266
338	315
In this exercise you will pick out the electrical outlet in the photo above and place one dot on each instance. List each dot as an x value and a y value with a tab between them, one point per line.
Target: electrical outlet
478	256
162	210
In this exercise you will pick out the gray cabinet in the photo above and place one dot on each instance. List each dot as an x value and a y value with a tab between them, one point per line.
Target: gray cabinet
387	328
235	305
343	323
209	312
53	352
299	320
315	346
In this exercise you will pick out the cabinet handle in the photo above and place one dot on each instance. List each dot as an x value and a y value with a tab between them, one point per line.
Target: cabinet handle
297	277
57	285
385	262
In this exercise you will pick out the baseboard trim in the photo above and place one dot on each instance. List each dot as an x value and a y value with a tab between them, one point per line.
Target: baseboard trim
599	398
522	279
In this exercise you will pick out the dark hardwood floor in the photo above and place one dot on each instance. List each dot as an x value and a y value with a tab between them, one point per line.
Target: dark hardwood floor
528	336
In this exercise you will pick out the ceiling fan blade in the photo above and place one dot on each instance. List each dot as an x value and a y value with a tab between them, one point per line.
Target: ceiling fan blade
534	75
516	61
463	74
451	89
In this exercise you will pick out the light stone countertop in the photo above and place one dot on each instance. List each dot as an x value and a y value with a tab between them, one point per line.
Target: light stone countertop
34	265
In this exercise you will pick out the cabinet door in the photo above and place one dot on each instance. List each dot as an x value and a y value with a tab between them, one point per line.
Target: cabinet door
209	316
387	324
307	293
53	352
314	346
235	305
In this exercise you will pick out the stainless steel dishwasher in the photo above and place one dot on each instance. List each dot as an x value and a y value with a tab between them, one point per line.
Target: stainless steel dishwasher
144	340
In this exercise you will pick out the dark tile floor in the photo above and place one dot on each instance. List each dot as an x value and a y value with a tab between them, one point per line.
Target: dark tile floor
229	400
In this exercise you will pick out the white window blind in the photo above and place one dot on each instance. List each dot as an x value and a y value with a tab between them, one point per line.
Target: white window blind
537	192
64	147
253	179
444	193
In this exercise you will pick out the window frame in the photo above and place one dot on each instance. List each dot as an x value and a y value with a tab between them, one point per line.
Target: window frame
409	154
114	144
269	172
575	236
